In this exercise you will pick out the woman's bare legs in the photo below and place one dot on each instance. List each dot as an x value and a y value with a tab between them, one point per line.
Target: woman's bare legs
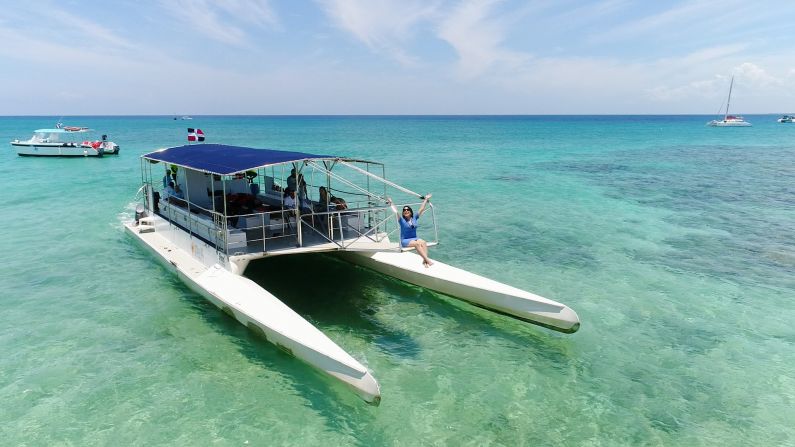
424	253
422	248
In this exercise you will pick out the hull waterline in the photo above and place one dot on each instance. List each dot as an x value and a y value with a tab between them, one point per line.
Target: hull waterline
472	288
61	150
728	124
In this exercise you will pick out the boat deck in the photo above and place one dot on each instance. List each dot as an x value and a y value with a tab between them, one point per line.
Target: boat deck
256	236
319	246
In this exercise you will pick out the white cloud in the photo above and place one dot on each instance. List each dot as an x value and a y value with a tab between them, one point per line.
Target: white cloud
683	92
582	13
257	12
89	31
477	39
749	76
703	56
135	72
757	75
219	19
664	20
59	26
382	25
30	48
128	79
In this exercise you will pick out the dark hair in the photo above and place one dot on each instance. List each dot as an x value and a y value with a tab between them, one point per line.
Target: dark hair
170	183
410	210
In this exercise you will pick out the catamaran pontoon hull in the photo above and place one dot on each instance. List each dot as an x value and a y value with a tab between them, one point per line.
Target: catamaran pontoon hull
729	123
259	310
472	288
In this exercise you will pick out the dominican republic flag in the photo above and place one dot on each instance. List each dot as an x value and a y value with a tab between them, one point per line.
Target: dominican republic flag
195	134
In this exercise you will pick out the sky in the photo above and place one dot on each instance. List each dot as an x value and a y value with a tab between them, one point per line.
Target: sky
382	57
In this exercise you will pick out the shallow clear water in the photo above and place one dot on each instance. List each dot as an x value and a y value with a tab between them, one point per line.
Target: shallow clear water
672	241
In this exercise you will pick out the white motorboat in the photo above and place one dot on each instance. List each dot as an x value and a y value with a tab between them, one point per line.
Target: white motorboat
729	120
65	141
226	209
787	119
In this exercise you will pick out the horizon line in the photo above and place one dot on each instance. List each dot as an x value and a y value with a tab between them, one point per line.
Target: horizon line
384	115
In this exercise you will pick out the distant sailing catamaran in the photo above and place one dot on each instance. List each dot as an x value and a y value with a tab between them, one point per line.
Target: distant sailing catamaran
729	120
231	211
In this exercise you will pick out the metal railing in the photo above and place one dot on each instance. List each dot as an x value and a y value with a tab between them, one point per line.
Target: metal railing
269	230
264	227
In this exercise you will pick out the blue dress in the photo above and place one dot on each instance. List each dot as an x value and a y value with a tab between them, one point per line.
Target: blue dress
408	230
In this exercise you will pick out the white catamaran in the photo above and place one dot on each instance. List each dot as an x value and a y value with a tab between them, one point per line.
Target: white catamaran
220	207
729	120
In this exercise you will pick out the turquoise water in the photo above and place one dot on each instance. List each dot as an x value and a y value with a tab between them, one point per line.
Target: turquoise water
672	241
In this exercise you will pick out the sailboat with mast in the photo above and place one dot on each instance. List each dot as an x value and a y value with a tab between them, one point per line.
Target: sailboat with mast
729	120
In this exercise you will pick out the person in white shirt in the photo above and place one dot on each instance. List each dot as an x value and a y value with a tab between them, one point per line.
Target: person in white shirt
172	191
290	199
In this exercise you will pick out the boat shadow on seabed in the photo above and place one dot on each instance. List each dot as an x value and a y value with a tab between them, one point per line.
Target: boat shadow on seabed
284	369
346	300
347	295
346	306
333	294
352	307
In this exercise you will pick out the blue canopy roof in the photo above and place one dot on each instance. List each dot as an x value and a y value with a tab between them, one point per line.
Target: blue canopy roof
224	160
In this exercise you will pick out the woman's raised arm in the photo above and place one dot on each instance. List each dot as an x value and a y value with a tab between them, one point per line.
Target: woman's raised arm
424	202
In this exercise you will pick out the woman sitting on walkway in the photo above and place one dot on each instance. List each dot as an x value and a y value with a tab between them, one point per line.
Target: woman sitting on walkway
408	229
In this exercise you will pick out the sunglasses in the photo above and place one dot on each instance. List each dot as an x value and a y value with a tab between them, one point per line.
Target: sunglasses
406	209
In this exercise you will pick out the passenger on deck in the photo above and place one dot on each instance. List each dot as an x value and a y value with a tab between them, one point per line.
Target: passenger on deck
289	201
323	202
172	191
302	193
289	198
329	202
291	180
408	229
339	203
168	177
323	205
242	203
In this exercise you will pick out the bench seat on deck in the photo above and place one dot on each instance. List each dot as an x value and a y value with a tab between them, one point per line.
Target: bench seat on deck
203	226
